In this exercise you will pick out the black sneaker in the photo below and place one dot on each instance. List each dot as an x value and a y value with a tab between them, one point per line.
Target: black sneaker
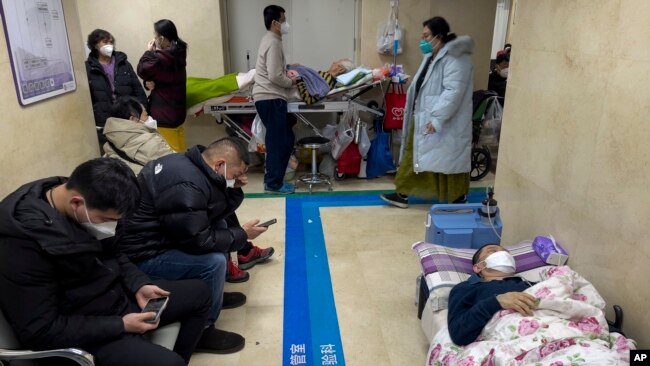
233	300
214	340
395	199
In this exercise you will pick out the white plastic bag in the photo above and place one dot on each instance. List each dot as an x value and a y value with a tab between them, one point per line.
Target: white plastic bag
344	134
258	130
329	131
491	128
252	145
342	139
364	140
388	33
256	144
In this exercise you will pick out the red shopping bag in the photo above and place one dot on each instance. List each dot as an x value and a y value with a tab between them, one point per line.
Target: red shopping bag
350	161
395	103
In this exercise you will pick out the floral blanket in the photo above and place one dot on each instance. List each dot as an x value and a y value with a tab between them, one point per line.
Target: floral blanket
567	328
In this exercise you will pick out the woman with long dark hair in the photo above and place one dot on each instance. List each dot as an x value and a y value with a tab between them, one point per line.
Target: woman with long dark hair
162	67
435	157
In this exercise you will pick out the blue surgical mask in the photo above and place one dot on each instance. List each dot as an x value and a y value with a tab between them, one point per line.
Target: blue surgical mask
425	47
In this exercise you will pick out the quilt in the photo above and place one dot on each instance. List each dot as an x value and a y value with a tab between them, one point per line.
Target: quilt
567	328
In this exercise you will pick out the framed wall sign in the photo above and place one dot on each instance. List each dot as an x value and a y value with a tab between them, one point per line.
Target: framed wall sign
38	47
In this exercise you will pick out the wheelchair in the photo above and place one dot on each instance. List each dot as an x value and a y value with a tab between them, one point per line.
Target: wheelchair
481	158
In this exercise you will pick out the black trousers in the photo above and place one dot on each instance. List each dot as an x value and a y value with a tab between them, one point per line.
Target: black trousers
279	140
189	304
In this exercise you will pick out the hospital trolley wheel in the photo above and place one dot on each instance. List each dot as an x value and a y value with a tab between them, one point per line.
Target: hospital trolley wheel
373	105
481	163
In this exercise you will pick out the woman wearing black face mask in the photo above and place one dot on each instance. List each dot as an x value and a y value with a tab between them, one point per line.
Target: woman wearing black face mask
436	143
110	76
162	67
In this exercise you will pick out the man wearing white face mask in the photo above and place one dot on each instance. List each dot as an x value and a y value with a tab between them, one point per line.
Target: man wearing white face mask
498	79
270	92
132	135
491	288
110	76
186	225
62	287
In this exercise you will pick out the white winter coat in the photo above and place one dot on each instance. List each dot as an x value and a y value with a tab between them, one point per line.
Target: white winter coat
445	99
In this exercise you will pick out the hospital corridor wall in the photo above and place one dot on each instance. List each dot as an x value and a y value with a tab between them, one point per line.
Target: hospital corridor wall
572	157
50	137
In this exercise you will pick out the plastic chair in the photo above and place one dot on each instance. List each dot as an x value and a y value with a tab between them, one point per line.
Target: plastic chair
10	349
314	143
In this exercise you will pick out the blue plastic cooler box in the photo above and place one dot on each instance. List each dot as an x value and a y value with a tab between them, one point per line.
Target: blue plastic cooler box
460	226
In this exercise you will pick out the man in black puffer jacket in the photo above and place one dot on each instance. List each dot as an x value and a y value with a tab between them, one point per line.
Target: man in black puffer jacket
110	76
62	287
186	224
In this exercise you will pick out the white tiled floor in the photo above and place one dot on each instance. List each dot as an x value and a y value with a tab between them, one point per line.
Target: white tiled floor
373	275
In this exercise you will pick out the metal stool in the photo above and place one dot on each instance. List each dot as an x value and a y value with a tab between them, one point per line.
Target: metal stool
314	143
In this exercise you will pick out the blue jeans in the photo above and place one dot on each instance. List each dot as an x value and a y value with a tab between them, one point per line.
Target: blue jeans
175	265
279	140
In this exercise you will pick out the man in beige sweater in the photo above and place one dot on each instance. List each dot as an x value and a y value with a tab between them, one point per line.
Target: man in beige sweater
270	93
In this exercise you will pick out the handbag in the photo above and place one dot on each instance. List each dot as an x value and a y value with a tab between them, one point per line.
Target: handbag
395	103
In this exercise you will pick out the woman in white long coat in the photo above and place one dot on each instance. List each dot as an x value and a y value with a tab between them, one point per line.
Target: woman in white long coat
435	157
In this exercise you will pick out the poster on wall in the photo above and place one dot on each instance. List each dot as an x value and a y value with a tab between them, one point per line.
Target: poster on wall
38	47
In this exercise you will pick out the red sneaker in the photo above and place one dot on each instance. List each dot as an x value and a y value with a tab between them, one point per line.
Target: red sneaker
234	274
256	255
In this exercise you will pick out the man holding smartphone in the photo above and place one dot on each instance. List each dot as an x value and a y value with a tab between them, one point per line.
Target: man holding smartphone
62	286
185	226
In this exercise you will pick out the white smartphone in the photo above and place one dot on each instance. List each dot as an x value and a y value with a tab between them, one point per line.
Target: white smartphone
267	223
156	306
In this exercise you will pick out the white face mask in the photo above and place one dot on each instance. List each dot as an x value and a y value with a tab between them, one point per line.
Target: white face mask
106	50
504	73
230	183
151	123
501	261
99	231
284	27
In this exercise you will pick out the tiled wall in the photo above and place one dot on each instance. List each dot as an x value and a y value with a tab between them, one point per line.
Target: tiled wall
50	137
573	156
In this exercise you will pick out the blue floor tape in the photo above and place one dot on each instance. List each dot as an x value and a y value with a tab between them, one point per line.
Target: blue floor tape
311	333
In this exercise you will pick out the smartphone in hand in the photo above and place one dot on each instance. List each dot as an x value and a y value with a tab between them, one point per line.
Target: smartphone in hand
156	306
267	223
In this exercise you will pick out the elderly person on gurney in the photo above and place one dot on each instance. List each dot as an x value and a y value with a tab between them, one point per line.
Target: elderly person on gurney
312	85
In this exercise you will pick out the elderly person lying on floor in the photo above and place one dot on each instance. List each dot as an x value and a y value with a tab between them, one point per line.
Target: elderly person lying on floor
498	318
492	288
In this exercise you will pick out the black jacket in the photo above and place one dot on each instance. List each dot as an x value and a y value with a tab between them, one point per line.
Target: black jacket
497	83
59	286
126	84
185	205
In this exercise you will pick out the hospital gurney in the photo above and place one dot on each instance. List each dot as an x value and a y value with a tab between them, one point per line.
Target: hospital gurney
339	100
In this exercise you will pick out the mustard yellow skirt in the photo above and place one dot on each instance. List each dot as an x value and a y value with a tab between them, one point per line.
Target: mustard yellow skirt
428	185
175	137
